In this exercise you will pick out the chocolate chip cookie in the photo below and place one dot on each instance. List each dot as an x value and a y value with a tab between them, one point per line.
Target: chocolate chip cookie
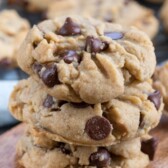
13	30
125	12
84	60
32	154
161	82
128	116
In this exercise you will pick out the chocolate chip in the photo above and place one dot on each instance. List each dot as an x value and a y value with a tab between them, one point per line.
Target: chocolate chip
149	147
5	63
61	102
50	76
69	28
37	67
98	128
35	44
95	45
155	98
80	105
48	102
141	122
70	56
63	148
114	35
100	159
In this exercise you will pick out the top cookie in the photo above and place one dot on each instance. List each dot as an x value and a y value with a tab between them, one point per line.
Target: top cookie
124	12
13	30
79	59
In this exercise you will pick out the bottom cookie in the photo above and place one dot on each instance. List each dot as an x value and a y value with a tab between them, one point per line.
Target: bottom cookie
38	152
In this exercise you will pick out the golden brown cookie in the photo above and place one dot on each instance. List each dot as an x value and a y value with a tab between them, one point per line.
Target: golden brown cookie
32	154
125	12
13	30
128	116
78	59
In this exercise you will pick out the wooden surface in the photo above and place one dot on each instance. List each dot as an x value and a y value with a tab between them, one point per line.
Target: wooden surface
161	157
7	146
8	142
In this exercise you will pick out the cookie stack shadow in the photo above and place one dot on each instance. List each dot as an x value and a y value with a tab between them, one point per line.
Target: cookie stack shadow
89	100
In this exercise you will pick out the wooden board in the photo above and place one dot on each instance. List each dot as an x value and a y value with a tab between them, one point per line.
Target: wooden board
8	142
161	157
7	146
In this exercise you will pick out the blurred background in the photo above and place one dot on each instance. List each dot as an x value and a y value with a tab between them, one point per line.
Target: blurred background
10	76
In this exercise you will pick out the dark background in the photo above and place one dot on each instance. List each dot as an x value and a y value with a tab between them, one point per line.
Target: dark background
160	41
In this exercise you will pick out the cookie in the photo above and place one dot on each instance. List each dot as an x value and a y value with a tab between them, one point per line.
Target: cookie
126	149
160	79
124	12
84	60
164	16
31	5
130	115
13	30
31	154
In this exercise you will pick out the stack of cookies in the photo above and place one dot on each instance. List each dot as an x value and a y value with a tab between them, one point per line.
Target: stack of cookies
89	100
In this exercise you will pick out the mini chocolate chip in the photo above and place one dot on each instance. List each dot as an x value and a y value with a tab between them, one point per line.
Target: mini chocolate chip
155	98
95	45
100	159
69	28
48	102
114	35
50	76
149	147
37	67
70	56
35	44
55	109
141	122
5	63
61	102
64	150
80	105
98	128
